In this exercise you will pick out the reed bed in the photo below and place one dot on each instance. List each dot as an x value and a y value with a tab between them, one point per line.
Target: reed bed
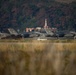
30	40
36	45
37	58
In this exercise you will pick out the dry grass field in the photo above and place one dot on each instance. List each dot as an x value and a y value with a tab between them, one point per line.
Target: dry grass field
31	40
37	58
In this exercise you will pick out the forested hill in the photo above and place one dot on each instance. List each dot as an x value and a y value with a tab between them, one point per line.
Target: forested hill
31	13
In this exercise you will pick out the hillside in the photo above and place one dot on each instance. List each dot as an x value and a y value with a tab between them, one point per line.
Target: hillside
31	13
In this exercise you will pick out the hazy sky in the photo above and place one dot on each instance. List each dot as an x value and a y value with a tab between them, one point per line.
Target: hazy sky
65	1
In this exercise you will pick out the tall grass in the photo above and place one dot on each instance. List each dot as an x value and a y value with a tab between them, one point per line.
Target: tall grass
36	45
37	58
30	40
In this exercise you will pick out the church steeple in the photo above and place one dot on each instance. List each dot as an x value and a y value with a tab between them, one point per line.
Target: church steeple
46	22
45	26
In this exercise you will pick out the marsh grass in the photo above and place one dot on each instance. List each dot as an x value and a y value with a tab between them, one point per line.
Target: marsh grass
36	45
31	40
37	58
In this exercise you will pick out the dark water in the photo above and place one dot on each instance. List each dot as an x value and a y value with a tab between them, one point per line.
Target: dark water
46	62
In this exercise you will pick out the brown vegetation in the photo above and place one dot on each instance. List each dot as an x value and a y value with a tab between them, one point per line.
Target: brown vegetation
37	58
